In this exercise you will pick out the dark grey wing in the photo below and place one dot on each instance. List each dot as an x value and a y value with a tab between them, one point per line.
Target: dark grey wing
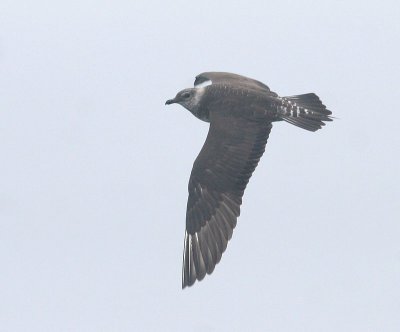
219	177
232	79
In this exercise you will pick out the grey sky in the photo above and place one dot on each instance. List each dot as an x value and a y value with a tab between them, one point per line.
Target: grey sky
94	167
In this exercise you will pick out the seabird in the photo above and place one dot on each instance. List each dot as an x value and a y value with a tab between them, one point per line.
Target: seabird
240	111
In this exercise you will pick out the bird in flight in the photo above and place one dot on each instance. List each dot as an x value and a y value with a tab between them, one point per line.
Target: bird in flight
240	111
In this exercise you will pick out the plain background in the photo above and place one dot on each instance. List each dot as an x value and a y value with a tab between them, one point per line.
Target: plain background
94	168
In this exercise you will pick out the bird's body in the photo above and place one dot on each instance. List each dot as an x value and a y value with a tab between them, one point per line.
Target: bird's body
240	111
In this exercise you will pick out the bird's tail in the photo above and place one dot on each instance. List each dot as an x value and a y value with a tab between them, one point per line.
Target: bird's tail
304	111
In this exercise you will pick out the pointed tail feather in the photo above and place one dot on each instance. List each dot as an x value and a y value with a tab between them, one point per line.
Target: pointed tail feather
304	111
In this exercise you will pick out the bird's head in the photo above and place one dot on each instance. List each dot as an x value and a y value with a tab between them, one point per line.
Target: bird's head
188	98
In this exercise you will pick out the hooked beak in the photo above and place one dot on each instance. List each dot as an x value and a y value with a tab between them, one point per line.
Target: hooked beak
170	101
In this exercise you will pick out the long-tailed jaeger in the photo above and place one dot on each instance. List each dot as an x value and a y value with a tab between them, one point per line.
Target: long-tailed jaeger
240	111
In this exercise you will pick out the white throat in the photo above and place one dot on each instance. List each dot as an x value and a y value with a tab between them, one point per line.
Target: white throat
198	95
199	92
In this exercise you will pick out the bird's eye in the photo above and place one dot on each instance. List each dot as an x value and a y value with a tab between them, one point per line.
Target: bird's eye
186	95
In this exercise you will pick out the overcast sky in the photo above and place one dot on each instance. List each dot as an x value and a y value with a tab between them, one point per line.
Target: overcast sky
94	168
